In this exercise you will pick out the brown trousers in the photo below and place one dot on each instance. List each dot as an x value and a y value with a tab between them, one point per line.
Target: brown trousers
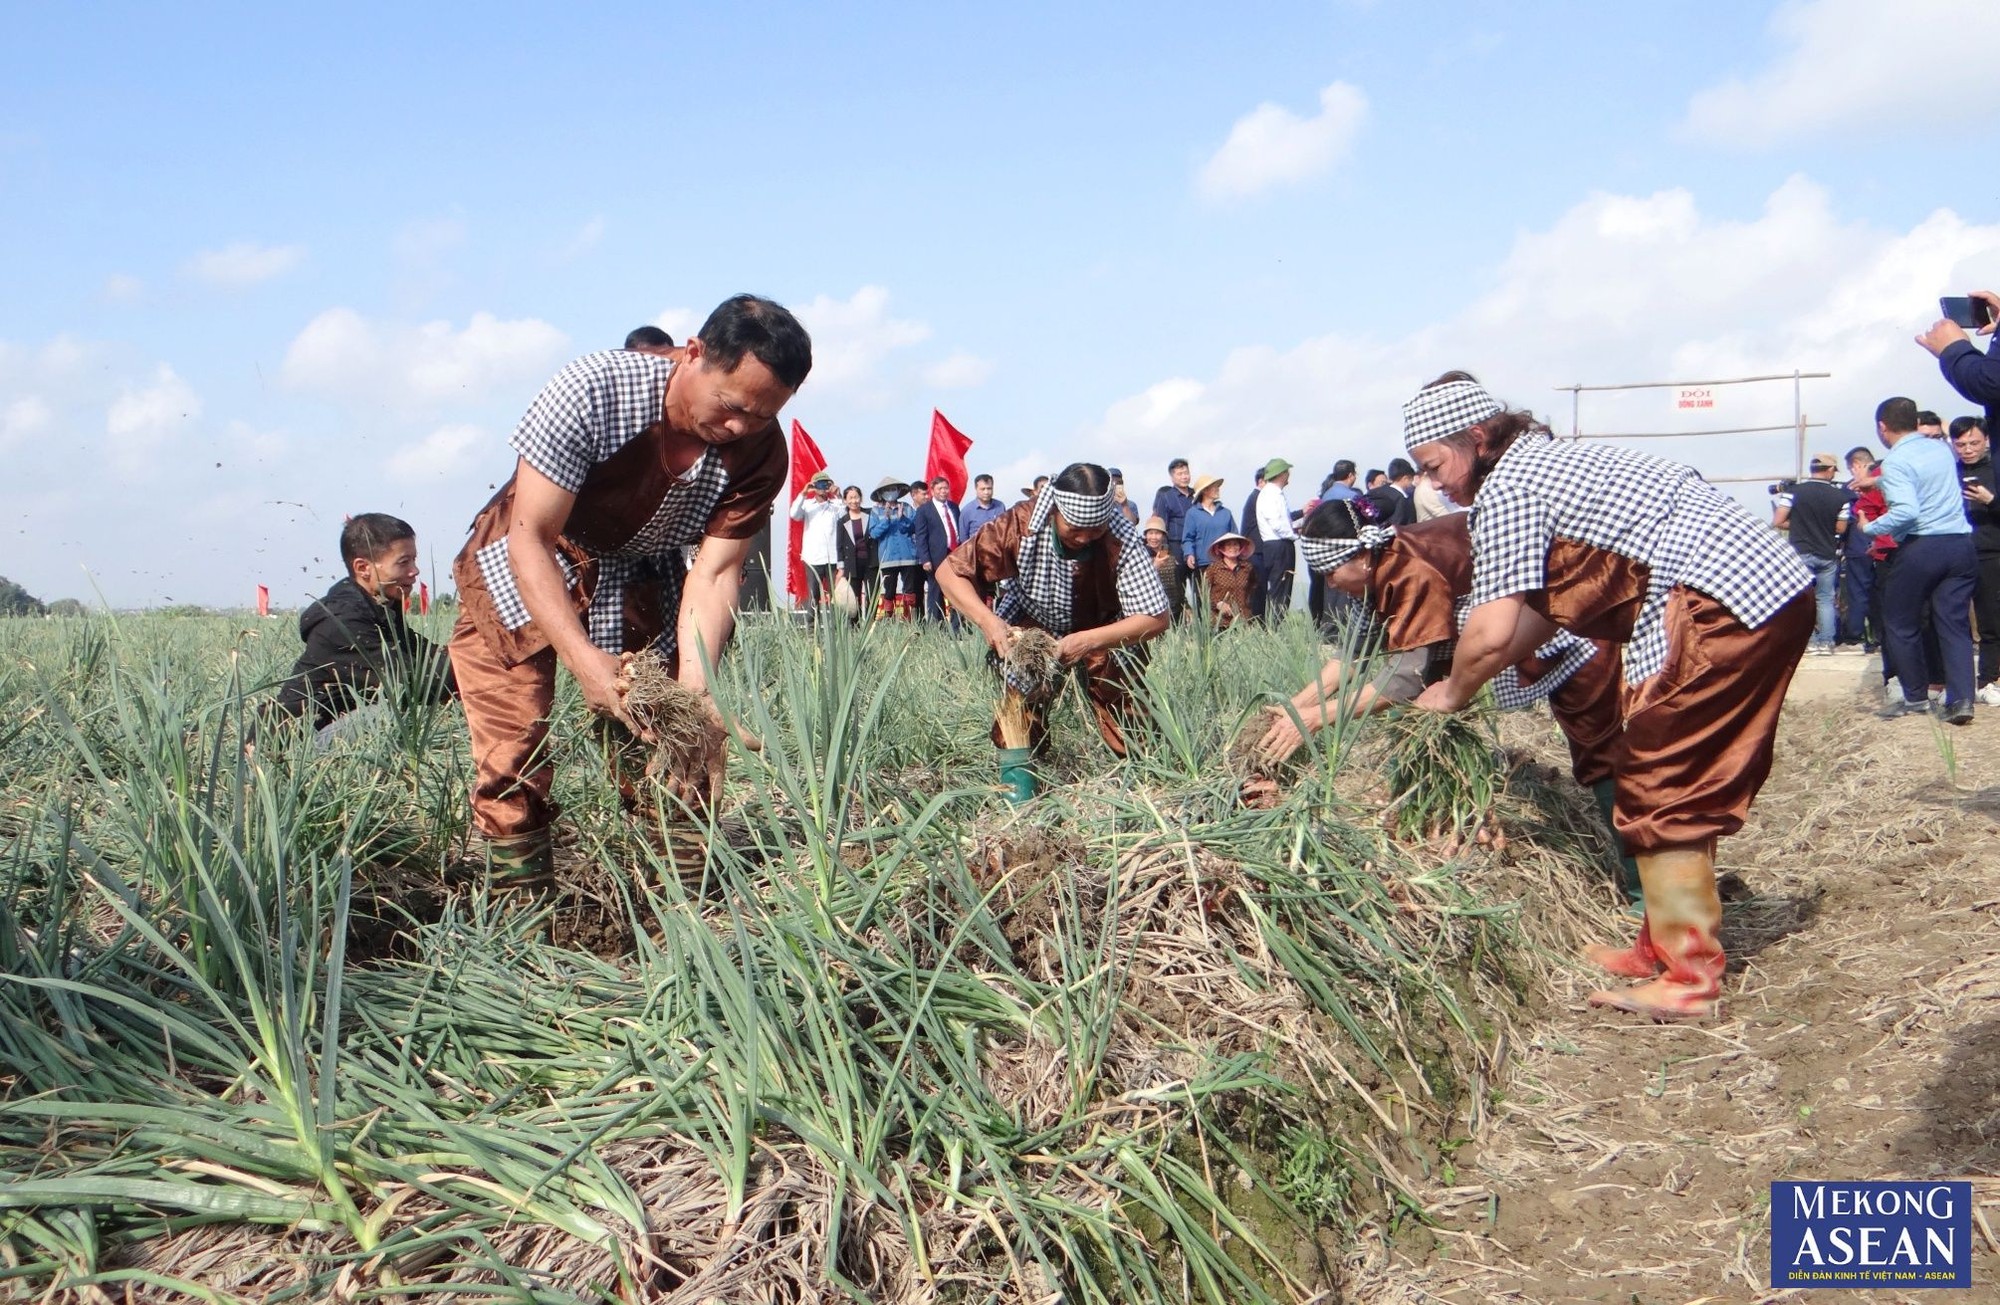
1699	735
1587	710
507	711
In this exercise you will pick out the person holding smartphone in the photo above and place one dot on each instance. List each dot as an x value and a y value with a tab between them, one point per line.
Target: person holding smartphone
1973	374
818	506
1980	488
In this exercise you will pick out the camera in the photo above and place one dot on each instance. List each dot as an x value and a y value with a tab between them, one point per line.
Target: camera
1778	487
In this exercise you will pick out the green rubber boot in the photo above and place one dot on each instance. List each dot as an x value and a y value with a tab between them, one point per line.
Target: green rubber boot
1604	791
1017	772
522	865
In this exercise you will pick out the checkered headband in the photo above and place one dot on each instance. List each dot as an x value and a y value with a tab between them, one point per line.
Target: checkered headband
1446	410
1326	555
1084	511
1045	584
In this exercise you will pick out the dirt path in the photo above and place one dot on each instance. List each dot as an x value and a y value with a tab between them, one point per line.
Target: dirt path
1860	1039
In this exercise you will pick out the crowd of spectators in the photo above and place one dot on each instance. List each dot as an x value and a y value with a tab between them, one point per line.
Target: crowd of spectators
1905	550
1903	544
881	559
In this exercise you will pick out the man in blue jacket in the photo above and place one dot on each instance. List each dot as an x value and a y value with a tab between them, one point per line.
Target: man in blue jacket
1170	504
937	531
1973	374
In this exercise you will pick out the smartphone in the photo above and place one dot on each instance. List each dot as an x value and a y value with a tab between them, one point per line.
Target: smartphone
1968	313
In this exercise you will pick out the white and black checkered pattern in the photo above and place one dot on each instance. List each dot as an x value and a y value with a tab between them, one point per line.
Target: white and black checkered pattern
1564	656
1084	511
591	409
1045	581
1446	410
1325	556
1661	513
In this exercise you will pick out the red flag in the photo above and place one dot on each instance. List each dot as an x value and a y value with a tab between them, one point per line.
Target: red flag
807	462
263	600
947	456
423	598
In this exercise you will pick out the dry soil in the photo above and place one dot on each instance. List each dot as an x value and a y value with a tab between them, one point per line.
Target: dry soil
1631	1162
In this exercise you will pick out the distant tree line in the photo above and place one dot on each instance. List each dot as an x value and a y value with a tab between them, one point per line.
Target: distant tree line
16	601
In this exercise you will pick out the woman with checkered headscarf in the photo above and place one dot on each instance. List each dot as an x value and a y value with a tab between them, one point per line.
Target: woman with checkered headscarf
1068	562
1713	610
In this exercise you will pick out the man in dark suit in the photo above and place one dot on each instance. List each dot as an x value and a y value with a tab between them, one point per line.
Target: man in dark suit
936	531
1394	498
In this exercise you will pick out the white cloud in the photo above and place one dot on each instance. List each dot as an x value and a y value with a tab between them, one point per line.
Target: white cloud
960	371
1853	64
140	421
681	323
1619	289
346	356
440	453
427	239
30	415
859	345
853	337
1271	145
1010	478
239	266
67	358
122	289
256	446
585	240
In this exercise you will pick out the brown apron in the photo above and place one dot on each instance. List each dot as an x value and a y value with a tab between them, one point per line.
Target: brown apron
618	498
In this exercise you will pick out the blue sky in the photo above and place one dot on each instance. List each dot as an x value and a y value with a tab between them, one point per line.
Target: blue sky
337	252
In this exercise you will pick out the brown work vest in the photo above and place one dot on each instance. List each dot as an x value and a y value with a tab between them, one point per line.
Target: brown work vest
618	498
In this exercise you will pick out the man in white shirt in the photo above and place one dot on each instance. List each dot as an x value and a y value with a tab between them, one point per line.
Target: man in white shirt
1274	528
820	508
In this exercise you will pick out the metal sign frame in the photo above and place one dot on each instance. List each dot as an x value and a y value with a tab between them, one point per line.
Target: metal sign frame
1799	425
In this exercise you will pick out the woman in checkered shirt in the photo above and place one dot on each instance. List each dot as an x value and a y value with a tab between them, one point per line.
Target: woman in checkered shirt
1713	610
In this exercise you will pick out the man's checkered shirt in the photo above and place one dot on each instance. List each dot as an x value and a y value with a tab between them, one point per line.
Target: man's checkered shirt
590	410
1661	513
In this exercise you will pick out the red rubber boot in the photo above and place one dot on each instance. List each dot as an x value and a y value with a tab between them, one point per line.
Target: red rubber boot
1683	914
1639	961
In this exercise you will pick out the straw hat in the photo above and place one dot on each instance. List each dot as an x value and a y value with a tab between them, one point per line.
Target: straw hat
1154	523
1228	539
890	488
1202	483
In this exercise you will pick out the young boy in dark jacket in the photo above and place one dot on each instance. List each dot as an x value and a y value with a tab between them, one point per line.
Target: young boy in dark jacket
354	633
